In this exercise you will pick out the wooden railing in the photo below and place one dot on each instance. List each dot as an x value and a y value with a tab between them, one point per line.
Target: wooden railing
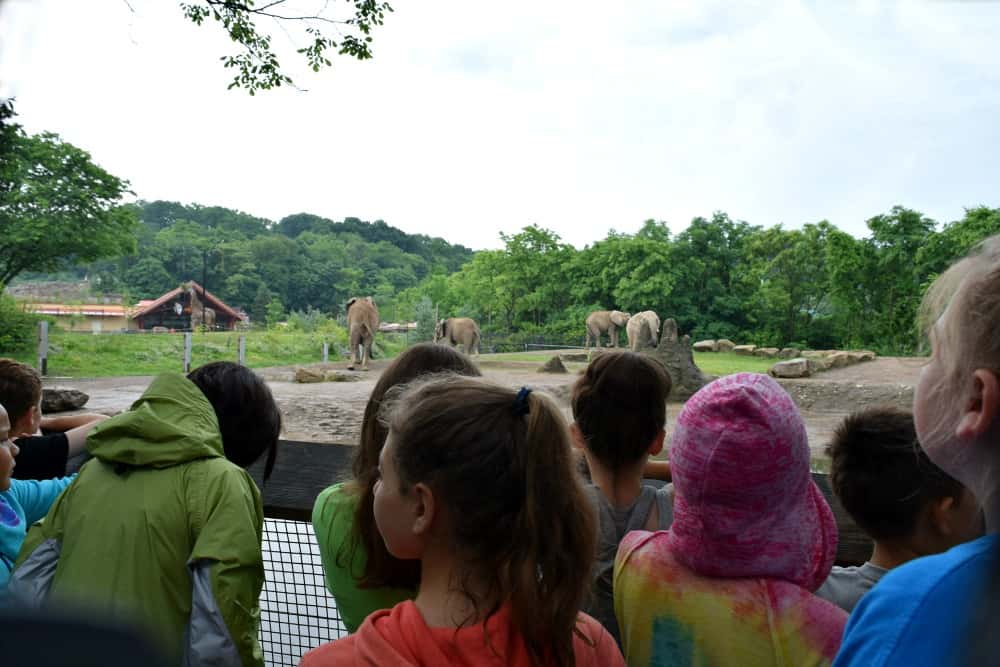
303	469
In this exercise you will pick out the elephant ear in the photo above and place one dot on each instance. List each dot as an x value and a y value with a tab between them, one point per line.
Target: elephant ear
351	303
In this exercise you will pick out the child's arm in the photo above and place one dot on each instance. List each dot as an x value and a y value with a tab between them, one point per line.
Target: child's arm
657	470
37	497
76	428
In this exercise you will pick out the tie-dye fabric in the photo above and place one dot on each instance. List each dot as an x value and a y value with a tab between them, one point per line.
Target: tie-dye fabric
670	615
731	582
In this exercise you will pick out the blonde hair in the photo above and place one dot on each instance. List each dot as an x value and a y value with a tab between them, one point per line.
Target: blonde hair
969	293
521	520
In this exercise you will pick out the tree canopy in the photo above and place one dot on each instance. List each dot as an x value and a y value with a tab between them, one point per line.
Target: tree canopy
318	33
56	206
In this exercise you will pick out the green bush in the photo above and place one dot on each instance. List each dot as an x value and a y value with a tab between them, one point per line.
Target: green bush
17	327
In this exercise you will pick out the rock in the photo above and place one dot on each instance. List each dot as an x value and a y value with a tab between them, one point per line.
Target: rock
706	346
724	345
307	375
865	355
840	359
553	365
61	399
766	352
789	353
746	350
792	368
161	330
677	357
336	376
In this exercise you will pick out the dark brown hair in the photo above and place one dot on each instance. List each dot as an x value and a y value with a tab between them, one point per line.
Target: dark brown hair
381	567
520	519
620	405
881	475
20	388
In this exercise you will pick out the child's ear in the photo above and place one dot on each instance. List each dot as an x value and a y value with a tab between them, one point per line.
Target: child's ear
657	445
939	512
983	405
576	437
424	508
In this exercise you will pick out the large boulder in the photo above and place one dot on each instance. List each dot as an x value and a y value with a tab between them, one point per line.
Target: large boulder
766	352
746	350
61	399
308	375
706	346
724	345
553	365
792	368
789	353
676	355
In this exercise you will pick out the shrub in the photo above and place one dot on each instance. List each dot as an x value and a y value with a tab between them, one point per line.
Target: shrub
17	327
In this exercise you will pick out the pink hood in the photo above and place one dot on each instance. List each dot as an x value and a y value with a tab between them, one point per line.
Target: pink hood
745	504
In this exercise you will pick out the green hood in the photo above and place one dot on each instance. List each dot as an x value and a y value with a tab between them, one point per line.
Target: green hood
171	423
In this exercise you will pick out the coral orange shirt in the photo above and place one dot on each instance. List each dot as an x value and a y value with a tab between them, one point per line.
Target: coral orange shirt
399	636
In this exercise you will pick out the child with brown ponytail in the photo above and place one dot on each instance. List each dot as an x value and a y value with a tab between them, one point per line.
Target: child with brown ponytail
478	483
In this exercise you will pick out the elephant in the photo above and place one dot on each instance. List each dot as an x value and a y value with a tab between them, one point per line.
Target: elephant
362	323
600	321
455	330
643	330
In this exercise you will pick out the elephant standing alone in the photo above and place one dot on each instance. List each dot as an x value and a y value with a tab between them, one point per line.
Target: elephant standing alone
643	330
362	323
601	321
457	330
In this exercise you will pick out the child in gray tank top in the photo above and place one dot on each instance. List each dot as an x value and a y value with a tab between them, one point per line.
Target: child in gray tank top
619	408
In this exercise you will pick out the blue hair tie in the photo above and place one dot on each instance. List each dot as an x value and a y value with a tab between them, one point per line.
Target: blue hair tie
521	406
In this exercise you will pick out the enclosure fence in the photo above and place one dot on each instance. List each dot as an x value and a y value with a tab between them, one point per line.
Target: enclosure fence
297	613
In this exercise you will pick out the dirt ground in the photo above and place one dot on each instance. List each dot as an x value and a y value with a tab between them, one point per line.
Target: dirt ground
331	411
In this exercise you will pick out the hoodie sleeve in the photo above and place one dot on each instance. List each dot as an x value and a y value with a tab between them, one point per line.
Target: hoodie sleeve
227	568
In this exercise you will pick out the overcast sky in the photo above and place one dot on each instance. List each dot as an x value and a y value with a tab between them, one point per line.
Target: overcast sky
475	118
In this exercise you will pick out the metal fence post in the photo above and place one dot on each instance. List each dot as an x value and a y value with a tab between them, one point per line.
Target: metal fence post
326	352
187	351
43	347
242	350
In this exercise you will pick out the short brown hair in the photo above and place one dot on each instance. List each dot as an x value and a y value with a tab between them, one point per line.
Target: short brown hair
881	475
620	405
20	388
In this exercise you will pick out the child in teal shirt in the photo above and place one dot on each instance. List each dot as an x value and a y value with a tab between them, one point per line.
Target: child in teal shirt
22	502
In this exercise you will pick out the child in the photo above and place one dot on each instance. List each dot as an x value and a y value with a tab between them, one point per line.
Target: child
360	573
731	581
45	443
163	527
620	409
925	612
477	482
22	502
908	505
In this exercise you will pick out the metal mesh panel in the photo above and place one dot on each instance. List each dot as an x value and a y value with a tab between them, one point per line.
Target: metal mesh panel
296	611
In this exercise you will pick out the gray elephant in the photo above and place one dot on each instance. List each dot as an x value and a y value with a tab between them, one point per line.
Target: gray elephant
643	330
362	323
601	321
459	330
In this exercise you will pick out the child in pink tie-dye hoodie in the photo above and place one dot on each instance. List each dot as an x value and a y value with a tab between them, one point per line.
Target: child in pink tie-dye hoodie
731	582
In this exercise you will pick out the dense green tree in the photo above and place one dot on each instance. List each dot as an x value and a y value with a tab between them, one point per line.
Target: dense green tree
57	208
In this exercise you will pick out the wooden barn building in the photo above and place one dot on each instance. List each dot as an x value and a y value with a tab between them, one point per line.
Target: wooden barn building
181	310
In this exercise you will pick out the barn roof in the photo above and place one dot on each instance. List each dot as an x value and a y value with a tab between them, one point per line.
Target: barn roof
210	299
91	309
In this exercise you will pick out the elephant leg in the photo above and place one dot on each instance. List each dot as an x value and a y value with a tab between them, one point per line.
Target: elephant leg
368	354
613	335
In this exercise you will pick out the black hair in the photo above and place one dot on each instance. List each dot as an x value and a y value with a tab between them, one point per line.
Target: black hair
249	419
881	475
